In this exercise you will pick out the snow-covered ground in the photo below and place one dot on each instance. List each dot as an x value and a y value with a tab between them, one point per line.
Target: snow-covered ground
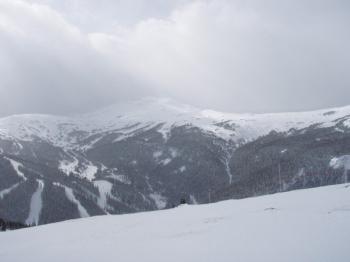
304	225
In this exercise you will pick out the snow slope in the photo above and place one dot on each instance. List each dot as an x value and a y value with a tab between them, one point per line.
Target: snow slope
36	205
306	225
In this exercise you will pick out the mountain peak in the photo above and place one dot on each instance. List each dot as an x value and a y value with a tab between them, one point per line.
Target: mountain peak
165	113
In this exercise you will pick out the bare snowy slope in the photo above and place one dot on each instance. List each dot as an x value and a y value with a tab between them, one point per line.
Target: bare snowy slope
306	225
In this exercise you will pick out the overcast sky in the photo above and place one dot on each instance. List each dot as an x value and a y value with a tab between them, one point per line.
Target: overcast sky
68	56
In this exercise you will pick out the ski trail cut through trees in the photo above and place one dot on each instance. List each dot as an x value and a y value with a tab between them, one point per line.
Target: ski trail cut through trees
36	204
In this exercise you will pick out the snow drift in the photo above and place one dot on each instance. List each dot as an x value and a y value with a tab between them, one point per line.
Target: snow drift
304	225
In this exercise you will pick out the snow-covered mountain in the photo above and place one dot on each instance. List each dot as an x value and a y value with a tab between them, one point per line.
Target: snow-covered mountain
162	114
151	153
309	225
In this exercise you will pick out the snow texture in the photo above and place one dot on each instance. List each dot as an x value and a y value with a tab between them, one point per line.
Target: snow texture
121	178
70	196
89	172
104	188
68	167
159	200
193	200
340	162
182	169
306	226
36	205
157	154
7	191
165	162
16	165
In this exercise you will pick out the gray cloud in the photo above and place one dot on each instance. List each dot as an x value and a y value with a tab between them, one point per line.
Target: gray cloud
253	56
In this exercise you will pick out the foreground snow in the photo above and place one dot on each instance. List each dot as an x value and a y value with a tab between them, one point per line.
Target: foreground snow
305	225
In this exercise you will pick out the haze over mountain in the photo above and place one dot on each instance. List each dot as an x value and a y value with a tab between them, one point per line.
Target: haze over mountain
74	56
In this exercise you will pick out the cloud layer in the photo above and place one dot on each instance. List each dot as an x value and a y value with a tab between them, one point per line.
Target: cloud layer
73	56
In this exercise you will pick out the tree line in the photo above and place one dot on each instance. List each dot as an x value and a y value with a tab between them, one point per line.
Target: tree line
10	225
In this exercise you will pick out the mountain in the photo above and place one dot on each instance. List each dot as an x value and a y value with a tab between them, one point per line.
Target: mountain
310	225
150	154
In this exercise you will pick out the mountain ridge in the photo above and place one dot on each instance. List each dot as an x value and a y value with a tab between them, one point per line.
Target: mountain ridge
166	112
152	153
